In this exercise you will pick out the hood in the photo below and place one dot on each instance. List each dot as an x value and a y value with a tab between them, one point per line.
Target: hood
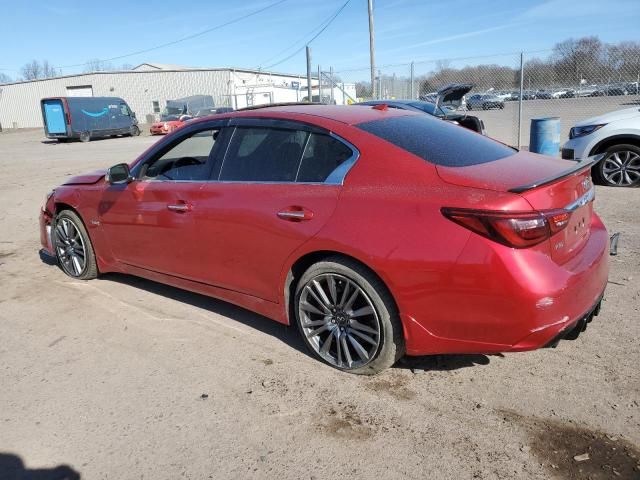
523	168
611	117
87	178
453	92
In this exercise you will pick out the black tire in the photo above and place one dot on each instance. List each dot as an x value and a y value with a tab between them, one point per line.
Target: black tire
65	250
485	106
502	106
390	347
85	137
469	107
606	178
134	131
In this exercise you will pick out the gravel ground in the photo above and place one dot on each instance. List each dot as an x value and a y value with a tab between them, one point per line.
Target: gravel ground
125	378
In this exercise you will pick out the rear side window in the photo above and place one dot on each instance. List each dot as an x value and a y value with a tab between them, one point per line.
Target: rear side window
259	154
438	141
322	156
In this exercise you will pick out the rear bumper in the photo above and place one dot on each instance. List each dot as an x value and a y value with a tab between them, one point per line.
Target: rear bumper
501	300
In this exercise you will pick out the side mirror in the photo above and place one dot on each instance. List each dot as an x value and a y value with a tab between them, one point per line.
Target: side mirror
118	174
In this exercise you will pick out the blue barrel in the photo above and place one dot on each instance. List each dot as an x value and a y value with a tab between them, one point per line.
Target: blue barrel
545	136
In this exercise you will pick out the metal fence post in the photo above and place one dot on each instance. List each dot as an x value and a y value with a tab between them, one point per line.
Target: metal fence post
309	89
319	84
331	84
379	92
411	88
520	100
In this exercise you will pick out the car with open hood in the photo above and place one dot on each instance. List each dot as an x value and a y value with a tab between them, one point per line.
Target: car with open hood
451	94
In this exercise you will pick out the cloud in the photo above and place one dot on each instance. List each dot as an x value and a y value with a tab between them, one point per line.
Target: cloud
585	8
450	38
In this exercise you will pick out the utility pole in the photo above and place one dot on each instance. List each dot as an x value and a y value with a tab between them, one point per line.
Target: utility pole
371	51
309	92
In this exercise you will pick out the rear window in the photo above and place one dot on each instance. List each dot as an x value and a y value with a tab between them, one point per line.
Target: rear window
437	141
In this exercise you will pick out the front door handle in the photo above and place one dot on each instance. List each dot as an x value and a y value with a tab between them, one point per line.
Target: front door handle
180	207
295	214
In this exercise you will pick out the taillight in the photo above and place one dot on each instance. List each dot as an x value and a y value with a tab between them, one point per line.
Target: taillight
514	229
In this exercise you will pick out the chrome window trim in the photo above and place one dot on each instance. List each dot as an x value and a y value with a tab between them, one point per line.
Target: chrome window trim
336	177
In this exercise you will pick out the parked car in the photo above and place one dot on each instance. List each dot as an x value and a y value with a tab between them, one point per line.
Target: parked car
212	111
616	135
485	102
564	93
374	231
589	91
179	111
168	124
544	95
615	89
449	93
85	118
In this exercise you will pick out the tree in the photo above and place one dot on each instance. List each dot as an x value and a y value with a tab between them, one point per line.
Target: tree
4	78
34	70
578	59
97	65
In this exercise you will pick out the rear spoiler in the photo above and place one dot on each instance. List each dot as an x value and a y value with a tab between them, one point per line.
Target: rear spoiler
579	167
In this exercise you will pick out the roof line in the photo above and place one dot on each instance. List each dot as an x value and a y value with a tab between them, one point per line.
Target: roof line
186	70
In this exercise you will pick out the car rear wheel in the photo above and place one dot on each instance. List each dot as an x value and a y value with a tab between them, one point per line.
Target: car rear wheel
620	166
85	136
485	106
347	317
73	247
134	131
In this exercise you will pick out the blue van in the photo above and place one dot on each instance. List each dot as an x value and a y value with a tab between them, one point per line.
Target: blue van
87	117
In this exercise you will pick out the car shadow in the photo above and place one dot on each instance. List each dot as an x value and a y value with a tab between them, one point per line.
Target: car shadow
12	467
444	362
284	333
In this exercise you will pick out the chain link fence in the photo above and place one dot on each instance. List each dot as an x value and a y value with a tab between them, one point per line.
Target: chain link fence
572	82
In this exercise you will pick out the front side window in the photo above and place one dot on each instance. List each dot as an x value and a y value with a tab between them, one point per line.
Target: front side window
124	110
190	160
258	154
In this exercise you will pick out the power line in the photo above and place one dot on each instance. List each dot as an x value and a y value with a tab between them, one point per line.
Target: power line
329	22
301	39
188	37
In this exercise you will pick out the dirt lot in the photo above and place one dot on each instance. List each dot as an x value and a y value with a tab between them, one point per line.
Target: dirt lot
109	377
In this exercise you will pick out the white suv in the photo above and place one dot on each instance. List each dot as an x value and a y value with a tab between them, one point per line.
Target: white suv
617	136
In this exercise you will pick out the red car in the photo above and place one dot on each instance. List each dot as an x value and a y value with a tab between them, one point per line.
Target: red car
377	231
168	125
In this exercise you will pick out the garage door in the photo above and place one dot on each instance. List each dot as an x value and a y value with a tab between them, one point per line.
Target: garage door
80	91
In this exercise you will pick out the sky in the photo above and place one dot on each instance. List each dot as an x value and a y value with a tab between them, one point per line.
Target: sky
69	33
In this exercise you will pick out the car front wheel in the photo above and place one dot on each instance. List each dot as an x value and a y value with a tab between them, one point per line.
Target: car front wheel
348	318
620	166
73	247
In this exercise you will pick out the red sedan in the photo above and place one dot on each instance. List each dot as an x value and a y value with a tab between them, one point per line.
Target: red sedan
378	232
168	125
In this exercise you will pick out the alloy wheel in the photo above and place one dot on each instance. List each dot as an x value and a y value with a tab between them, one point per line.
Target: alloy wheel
70	247
339	321
621	168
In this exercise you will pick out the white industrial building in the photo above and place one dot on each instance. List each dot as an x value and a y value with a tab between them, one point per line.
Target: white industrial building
147	87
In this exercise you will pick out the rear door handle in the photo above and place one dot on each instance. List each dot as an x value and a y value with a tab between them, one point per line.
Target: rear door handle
180	207
295	214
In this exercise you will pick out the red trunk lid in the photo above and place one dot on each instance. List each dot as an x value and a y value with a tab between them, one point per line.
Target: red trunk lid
546	183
